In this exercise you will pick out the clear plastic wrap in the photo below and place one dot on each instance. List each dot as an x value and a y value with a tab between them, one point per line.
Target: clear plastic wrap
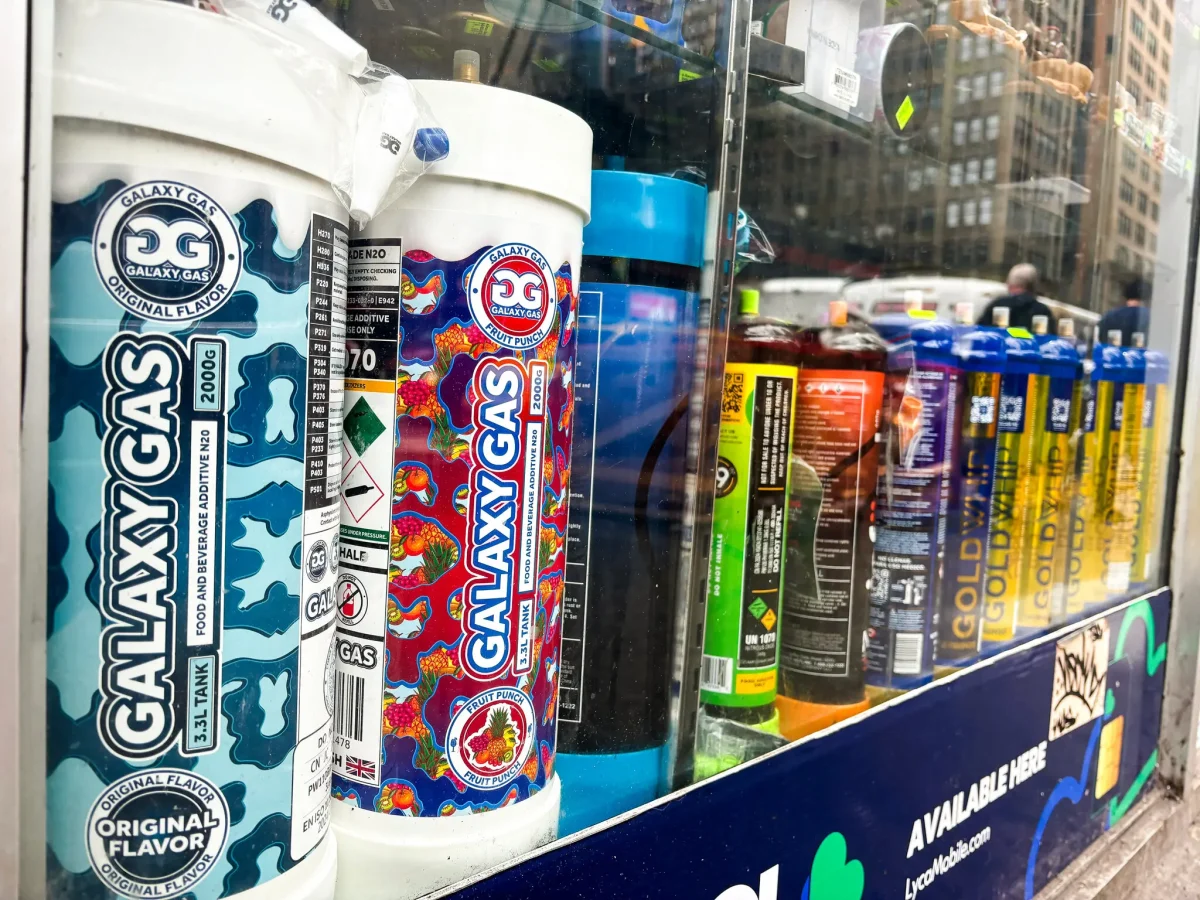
389	136
753	245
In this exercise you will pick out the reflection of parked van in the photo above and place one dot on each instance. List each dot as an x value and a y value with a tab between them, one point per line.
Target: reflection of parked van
793	299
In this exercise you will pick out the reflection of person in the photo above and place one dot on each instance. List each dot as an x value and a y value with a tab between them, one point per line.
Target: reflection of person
1133	316
1022	300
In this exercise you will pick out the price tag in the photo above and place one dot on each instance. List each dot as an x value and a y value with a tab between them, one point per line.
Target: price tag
843	87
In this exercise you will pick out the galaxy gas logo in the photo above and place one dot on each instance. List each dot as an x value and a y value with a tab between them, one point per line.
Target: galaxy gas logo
491	736
139	539
167	251
504	500
512	296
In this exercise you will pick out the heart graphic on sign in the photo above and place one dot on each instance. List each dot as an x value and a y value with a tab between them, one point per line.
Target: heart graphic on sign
833	876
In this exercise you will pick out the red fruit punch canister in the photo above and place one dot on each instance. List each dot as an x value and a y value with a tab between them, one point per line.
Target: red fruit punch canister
461	325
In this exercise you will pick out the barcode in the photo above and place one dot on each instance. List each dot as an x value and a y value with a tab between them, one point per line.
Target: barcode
716	674
1118	576
841	79
907	659
348	691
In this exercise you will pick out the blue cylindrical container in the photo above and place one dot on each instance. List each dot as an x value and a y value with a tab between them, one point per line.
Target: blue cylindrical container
1012	478
1155	432
897	328
1057	450
980	353
922	394
636	341
1124	472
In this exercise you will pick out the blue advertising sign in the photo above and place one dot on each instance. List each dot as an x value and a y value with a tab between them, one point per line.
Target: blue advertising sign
985	784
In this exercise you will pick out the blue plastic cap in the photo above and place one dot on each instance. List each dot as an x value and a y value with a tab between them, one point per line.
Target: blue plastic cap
1158	367
652	217
934	342
431	144
980	349
1135	365
1110	363
1021	355
598	786
1060	359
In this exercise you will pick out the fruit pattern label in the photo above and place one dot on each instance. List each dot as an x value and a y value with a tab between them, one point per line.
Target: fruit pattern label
741	639
195	373
451	593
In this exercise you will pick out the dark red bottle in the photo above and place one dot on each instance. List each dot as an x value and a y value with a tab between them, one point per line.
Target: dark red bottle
835	469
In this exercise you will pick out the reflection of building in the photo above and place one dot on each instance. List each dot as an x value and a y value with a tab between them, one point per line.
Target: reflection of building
1010	144
995	177
1043	144
1133	63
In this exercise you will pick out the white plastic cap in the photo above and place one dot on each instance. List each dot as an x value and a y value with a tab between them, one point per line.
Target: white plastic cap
466	65
1000	316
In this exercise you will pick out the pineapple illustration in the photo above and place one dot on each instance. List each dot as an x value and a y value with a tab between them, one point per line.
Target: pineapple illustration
495	745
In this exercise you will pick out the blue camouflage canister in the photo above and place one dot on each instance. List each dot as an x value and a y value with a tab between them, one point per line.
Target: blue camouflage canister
196	340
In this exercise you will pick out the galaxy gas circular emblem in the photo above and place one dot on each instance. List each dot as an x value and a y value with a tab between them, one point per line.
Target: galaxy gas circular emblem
167	251
513	296
157	833
490	737
318	561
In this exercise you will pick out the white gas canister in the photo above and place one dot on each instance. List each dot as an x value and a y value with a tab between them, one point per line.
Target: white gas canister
197	324
460	348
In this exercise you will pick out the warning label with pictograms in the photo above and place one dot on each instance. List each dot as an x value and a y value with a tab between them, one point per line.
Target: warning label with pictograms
360	493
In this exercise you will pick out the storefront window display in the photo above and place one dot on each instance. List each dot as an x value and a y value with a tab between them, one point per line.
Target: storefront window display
469	422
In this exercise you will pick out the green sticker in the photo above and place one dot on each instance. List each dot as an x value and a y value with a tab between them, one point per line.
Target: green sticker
478	26
905	112
685	75
362	426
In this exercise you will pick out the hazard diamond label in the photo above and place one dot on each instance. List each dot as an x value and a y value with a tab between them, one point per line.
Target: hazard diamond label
361	426
360	492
